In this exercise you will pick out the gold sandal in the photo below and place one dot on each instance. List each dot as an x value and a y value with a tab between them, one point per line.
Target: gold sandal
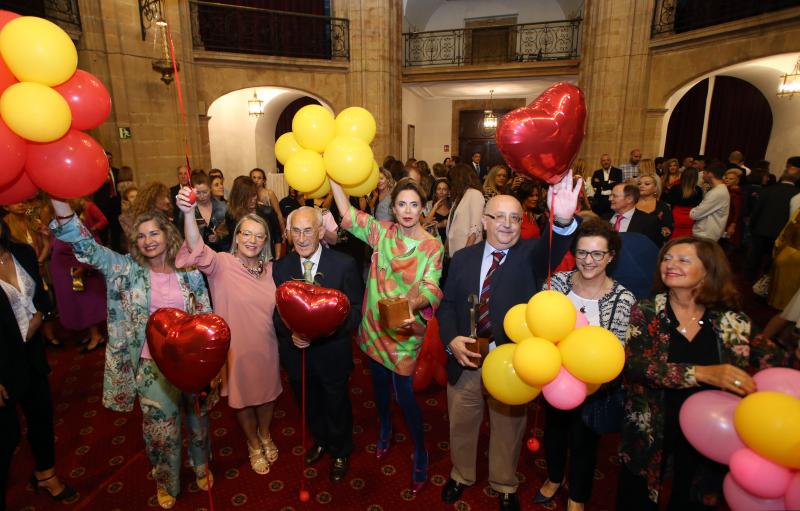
269	447
204	479
258	462
165	500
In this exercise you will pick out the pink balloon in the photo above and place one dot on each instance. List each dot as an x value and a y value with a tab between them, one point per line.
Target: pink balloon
706	420
759	476
740	500
792	497
565	392
779	379
73	166
13	151
88	100
20	190
580	320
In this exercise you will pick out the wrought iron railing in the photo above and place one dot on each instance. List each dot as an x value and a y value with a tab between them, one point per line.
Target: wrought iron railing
675	16
526	42
253	30
63	13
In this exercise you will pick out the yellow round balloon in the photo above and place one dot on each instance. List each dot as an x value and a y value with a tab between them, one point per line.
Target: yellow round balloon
591	388
305	171
501	380
348	160
367	186
322	191
313	127
537	361
514	323
285	147
592	354
356	122
35	112
550	315
37	50
769	423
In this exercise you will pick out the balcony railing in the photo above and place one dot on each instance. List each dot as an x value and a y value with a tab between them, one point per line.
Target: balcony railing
676	16
253	30
63	13
514	43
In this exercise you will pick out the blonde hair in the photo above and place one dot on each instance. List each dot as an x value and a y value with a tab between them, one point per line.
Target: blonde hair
171	234
266	253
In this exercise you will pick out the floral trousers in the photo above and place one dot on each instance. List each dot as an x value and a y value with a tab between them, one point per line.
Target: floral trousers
163	408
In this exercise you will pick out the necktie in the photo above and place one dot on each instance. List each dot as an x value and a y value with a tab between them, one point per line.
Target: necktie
618	222
308	265
484	322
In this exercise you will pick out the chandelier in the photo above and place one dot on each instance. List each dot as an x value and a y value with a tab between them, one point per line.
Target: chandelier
489	119
789	84
255	107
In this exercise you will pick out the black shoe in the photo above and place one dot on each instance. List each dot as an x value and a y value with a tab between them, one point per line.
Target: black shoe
315	454
539	498
508	501
67	493
452	491
339	469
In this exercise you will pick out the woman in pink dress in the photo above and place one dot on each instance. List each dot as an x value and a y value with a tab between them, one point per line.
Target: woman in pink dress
243	293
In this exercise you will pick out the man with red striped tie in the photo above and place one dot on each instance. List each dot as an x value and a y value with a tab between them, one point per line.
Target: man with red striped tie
502	271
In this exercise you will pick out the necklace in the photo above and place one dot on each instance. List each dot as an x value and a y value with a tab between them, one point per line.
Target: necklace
255	272
683	329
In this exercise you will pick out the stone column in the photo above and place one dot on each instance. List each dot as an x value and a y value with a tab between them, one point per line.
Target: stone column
614	77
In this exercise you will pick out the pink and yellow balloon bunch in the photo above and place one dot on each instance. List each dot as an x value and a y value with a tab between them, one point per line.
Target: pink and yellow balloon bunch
758	436
321	146
44	103
555	352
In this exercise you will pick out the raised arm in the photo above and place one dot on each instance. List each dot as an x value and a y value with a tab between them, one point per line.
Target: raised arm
190	229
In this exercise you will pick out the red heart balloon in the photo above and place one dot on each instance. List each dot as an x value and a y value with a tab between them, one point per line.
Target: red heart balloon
542	139
189	350
311	311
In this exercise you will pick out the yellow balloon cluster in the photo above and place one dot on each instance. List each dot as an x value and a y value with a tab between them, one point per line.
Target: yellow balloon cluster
769	423
40	55
340	147
545	340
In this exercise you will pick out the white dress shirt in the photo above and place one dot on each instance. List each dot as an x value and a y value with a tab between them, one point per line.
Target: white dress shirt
626	220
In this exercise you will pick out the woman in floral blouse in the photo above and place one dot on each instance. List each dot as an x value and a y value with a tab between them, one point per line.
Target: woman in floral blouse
691	337
138	284
407	263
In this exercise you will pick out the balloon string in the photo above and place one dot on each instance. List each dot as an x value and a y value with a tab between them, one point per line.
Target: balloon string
208	467
303	414
182	108
550	253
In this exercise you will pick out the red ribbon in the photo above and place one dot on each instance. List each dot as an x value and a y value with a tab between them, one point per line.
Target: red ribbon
181	106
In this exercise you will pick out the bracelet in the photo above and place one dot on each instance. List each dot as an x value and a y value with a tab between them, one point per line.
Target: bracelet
559	224
59	217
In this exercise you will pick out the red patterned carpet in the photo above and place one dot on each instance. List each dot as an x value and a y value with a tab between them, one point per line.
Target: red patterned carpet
101	453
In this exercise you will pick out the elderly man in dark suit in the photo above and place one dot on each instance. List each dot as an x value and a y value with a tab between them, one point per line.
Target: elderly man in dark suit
503	271
329	360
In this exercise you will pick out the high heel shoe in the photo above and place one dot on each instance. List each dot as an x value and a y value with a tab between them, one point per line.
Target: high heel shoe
258	461
165	500
382	447
269	447
204	479
420	477
66	493
540	498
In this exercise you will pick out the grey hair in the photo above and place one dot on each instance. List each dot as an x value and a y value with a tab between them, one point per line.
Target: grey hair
314	211
266	252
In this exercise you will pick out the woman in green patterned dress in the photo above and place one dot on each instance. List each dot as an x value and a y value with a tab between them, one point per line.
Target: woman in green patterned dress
407	263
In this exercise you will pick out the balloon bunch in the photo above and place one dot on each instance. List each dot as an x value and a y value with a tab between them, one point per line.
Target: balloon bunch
555	352
321	146
431	360
758	436
45	102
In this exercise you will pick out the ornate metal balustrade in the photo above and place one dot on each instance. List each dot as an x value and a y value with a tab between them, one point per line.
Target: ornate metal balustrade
675	17
63	13
527	42
253	30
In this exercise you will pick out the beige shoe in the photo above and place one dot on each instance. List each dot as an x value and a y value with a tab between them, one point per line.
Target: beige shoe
258	462
269	447
165	500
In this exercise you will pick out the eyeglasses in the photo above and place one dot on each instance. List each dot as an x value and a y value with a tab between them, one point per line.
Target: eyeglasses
246	235
597	255
502	218
307	232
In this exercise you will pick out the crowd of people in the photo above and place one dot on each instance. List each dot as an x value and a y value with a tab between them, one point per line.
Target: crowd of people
456	241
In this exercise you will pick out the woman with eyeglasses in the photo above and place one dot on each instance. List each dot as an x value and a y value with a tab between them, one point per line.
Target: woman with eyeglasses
243	293
605	303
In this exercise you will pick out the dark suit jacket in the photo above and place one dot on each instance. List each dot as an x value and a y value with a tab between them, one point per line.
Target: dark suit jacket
20	362
329	357
643	223
771	212
521	275
599	184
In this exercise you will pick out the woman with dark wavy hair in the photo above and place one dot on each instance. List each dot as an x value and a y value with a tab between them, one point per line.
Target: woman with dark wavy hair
692	336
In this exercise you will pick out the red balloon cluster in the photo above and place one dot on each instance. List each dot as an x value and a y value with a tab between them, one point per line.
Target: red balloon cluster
71	166
309	310
189	350
542	139
431	360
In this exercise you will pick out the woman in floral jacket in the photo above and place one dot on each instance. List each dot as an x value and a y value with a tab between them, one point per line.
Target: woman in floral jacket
137	284
691	337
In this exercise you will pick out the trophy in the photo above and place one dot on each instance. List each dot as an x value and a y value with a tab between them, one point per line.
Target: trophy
481	344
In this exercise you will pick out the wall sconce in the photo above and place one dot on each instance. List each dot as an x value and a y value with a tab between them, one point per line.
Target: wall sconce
255	107
790	83
489	119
